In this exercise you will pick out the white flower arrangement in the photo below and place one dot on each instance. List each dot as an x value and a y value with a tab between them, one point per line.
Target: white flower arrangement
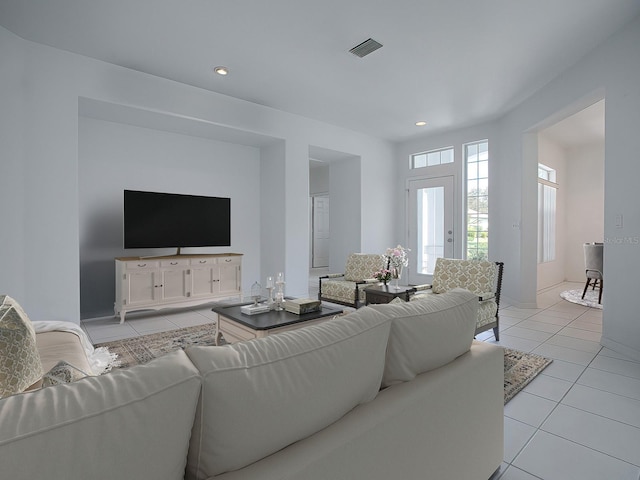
397	257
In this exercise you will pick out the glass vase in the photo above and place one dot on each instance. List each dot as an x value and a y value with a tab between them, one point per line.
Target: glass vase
280	293
396	273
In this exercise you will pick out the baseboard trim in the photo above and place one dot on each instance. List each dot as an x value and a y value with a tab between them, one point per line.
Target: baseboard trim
508	301
620	348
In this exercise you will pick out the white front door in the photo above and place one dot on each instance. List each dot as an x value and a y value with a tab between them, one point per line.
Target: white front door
431	235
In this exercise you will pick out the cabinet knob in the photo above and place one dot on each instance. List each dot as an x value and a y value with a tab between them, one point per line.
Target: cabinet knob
173	263
203	261
142	264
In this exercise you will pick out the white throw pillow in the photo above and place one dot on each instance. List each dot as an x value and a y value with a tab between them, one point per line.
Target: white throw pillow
262	395
428	333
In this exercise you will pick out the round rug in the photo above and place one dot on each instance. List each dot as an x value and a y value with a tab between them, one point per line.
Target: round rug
590	299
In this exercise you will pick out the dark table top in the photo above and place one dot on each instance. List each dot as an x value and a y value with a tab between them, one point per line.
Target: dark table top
272	319
388	288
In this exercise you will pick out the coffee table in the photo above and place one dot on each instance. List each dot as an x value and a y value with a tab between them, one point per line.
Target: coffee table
238	327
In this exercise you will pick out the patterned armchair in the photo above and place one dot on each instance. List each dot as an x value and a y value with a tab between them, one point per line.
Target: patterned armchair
348	288
480	277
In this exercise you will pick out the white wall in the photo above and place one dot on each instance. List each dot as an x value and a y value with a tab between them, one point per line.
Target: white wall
619	58
45	90
114	157
585	204
272	207
344	223
319	179
553	155
12	179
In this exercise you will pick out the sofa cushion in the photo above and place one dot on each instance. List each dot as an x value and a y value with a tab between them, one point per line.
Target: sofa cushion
262	395
56	346
486	312
20	364
428	333
343	291
129	423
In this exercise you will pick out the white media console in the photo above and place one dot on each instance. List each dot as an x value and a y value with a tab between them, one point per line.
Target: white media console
175	281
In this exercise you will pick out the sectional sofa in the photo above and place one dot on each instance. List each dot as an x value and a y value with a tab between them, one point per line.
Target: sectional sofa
388	391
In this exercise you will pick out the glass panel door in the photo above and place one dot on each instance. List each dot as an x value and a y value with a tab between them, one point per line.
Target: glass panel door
430	225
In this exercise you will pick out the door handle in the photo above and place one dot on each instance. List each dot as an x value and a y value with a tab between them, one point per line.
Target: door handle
449	240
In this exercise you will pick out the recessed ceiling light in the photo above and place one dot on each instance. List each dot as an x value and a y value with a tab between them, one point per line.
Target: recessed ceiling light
221	70
421	123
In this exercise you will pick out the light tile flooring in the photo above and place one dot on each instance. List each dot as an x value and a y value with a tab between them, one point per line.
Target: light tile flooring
579	419
108	329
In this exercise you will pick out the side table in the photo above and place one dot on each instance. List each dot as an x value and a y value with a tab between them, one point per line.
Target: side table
386	293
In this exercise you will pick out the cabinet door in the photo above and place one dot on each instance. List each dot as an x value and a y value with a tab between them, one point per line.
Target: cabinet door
141	287
229	278
174	284
203	281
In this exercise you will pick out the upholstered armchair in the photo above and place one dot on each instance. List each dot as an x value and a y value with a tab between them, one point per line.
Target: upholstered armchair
348	288
482	278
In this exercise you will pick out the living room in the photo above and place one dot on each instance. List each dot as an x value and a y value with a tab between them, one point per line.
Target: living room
76	131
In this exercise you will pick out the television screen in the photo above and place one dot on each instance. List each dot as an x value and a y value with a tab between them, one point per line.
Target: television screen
158	220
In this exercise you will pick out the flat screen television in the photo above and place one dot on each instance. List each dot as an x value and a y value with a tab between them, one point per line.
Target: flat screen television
159	220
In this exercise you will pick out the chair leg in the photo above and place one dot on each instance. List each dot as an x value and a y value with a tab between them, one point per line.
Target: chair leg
496	333
600	294
584	292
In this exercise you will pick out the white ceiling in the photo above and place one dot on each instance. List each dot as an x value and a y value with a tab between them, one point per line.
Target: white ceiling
449	62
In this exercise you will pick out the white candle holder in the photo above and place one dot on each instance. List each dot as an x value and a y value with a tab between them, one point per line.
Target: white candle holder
270	285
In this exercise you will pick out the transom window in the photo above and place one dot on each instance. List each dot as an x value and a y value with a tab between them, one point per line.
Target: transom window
432	158
546	173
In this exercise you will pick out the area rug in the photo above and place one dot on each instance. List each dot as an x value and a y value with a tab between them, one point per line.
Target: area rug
519	367
137	350
575	296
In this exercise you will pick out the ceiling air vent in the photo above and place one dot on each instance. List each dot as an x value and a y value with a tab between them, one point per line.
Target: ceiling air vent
365	48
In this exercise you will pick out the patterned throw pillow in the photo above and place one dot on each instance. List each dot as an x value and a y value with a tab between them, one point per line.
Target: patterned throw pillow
62	372
20	364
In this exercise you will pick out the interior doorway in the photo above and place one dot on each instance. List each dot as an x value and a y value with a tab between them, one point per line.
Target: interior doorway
571	167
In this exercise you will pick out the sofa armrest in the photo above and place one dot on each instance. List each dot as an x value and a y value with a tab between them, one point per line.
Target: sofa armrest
368	280
419	288
486	296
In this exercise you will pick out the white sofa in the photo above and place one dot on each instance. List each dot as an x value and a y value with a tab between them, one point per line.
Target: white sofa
388	391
